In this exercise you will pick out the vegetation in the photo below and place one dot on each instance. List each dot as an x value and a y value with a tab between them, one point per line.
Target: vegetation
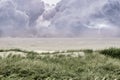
59	67
85	50
113	52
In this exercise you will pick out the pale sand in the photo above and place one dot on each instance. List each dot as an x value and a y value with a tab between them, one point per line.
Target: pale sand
22	54
52	44
6	54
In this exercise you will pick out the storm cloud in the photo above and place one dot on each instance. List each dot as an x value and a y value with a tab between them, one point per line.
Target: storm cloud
87	18
12	21
18	17
69	18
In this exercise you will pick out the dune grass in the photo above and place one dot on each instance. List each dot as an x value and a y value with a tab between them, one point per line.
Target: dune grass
112	52
92	66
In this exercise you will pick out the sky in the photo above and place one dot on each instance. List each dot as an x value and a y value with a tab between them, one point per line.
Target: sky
69	18
51	1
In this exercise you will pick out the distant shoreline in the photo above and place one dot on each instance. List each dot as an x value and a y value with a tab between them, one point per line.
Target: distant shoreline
51	44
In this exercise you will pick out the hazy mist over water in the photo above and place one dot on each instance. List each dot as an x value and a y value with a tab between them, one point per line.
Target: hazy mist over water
51	44
68	18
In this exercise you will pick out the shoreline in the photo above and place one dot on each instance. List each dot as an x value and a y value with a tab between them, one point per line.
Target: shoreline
52	44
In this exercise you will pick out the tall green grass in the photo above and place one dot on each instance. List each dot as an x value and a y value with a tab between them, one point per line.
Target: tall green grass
113	52
35	67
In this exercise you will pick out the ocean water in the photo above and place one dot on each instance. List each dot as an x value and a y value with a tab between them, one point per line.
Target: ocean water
51	44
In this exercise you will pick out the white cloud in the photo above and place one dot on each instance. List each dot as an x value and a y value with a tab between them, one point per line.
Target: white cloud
51	1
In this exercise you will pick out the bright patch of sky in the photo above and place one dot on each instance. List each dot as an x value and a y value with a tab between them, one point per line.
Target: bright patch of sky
51	1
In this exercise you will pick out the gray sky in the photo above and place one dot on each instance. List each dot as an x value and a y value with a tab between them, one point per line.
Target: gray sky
70	18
